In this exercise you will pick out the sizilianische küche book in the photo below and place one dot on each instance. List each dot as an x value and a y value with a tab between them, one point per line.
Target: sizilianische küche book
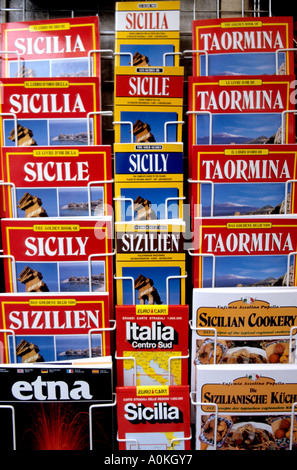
60	47
64	181
147	34
54	327
152	344
243	46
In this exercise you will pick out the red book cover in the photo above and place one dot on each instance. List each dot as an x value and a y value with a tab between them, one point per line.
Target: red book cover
157	338
153	418
51	48
44	112
71	181
54	327
243	46
56	255
234	110
245	251
233	180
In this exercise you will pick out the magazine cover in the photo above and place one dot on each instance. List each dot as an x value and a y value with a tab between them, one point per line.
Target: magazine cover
243	46
153	418
54	327
150	263
44	112
147	34
254	407
57	181
247	251
56	406
234	180
58	255
51	48
155	341
241	110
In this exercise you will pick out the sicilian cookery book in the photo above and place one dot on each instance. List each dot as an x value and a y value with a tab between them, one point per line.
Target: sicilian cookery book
53	327
58	255
57	406
153	418
247	251
235	180
56	181
147	34
241	109
245	407
64	47
46	112
152	345
243	46
150	262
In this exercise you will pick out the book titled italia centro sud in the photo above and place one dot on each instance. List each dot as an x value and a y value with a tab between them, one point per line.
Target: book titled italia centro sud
64	47
243	46
56	181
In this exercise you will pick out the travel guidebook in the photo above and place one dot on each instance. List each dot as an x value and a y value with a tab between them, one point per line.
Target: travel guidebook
57	181
234	180
241	110
150	262
147	34
58	255
243	46
54	327
64	47
153	418
246	251
57	406
152	344
254	407
45	112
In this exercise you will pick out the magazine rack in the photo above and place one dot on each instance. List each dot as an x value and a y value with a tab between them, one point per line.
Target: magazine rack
287	111
18	59
207	113
215	406
256	11
91	408
276	57
8	331
95	183
99	330
10	407
12	259
171	447
96	51
191	181
95	113
96	255
13	193
14	116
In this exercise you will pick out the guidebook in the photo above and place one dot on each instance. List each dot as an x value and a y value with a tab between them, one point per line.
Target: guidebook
58	255
54	327
246	407
147	34
153	418
57	406
243	46
246	251
152	344
56	181
60	47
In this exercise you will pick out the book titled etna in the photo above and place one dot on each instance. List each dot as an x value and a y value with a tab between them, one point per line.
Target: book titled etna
51	48
44	112
152	345
153	418
57	255
243	46
56	181
54	327
50	407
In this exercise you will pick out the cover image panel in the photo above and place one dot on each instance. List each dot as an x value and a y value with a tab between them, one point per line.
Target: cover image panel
247	251
153	418
243	46
243	180
57	181
58	255
52	407
134	163
156	337
54	327
51	48
241	110
250	413
147	34
45	112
